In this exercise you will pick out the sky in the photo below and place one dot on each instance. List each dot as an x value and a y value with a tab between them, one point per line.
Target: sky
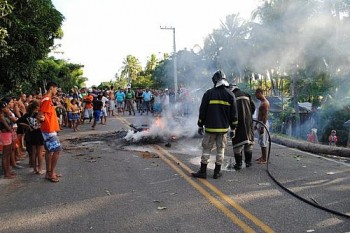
99	34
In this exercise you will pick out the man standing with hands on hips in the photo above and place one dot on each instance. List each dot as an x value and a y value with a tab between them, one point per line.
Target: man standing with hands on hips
217	112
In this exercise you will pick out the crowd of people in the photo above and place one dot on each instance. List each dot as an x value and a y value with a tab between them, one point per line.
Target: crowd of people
30	123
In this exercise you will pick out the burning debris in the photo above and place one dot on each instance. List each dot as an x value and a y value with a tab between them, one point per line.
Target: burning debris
162	130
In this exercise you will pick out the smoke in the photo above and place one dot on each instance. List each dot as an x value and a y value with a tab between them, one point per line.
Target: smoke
172	124
285	38
302	35
303	39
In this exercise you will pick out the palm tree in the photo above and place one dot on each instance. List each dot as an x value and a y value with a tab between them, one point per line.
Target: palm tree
131	68
228	47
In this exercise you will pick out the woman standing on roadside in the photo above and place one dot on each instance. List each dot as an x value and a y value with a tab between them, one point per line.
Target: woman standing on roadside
6	141
11	117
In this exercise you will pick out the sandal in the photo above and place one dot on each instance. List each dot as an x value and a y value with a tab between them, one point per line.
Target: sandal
54	179
41	173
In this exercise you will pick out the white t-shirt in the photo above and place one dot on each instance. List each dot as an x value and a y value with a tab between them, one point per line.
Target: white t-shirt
104	101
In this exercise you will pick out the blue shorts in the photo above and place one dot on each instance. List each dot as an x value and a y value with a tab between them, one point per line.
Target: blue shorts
73	116
51	142
97	115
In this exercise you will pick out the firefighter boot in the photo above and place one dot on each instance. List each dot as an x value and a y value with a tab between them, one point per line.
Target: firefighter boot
202	173
238	165
217	172
248	158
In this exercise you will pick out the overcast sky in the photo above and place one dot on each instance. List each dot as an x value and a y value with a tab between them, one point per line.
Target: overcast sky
99	34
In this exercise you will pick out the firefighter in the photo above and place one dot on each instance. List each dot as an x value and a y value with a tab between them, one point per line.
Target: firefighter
217	112
244	140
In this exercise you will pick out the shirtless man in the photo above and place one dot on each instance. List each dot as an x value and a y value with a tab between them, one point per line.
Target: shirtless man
263	112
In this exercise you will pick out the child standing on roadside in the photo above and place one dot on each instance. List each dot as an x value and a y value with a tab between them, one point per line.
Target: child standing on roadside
35	137
75	114
333	138
97	107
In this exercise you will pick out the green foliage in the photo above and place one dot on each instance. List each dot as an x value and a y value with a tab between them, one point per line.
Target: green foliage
106	85
333	116
144	81
131	68
162	76
312	89
32	29
65	74
5	10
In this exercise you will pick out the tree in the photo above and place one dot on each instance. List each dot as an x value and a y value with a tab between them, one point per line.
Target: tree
131	68
151	64
228	47
34	26
5	10
307	40
65	74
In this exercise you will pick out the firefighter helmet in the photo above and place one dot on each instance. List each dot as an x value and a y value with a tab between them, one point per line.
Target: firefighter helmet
218	75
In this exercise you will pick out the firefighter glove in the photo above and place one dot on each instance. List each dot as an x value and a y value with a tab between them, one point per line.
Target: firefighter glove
200	131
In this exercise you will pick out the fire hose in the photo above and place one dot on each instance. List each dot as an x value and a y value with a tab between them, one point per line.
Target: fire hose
288	190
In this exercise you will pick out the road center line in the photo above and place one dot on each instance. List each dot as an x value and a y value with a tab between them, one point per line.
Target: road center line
206	194
223	196
166	156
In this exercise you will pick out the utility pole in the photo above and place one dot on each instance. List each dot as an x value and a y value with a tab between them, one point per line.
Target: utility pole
174	58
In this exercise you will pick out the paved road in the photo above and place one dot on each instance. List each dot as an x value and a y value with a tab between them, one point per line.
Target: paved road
112	186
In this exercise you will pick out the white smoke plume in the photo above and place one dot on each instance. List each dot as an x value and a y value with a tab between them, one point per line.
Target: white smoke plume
170	125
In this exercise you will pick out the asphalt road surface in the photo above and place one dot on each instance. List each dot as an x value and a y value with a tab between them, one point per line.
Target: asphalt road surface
113	185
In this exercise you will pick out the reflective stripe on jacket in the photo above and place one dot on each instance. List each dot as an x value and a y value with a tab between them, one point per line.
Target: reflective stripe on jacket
218	110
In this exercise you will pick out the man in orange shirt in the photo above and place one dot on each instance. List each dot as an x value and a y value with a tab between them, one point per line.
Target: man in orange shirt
49	128
88	110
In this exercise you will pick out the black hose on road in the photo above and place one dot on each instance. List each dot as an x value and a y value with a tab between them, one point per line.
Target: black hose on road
286	189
